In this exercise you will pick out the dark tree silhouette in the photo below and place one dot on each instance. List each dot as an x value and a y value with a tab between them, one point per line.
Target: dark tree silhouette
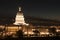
52	30
36	32
19	33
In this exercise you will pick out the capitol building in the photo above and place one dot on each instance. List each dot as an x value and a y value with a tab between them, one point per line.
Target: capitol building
32	27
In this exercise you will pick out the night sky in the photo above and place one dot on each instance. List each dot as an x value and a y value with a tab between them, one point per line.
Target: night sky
47	9
8	8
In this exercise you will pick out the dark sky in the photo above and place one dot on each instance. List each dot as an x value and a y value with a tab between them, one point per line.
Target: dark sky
49	9
8	8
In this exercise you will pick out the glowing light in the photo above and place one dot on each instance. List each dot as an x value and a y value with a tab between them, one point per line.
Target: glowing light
44	33
19	8
1	26
26	24
25	32
33	29
28	33
57	30
13	29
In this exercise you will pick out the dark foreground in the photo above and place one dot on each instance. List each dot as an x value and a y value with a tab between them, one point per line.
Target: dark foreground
32	38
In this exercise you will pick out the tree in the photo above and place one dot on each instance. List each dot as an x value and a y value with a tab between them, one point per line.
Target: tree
36	32
52	30
19	33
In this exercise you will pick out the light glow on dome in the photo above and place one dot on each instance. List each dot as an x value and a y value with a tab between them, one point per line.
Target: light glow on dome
19	20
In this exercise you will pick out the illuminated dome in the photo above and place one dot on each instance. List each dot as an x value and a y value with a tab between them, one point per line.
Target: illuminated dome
19	18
